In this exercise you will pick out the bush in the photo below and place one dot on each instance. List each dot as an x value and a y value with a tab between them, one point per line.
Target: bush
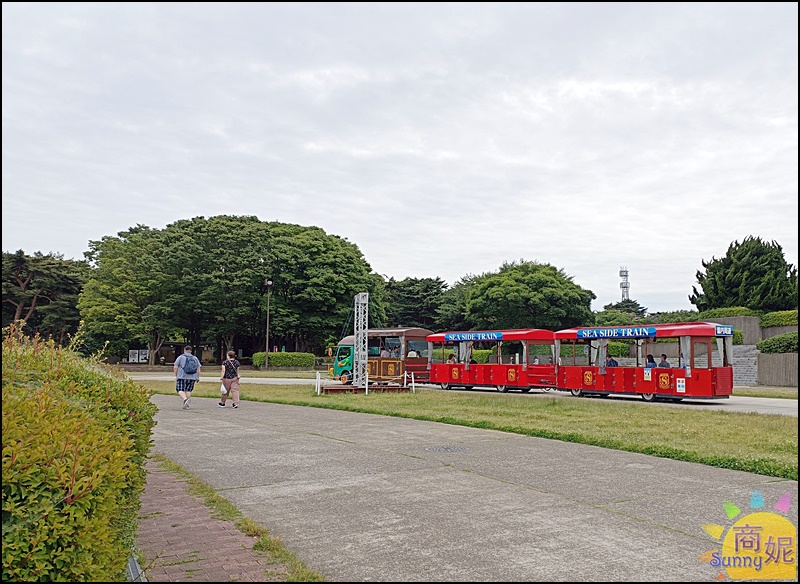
786	343
618	349
672	317
738	337
780	318
285	359
75	438
728	312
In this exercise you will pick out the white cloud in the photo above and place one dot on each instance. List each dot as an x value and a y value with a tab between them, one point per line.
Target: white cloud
588	136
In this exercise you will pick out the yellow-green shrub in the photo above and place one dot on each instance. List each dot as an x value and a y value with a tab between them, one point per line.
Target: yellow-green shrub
75	437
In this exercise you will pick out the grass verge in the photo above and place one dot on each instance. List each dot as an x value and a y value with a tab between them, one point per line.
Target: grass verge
756	443
775	393
221	508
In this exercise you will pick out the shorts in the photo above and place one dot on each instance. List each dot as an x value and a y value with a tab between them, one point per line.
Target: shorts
186	385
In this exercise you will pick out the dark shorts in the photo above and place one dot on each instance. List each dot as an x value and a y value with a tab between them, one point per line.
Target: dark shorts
186	385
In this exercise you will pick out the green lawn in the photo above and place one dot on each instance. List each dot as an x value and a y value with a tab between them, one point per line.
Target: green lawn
758	443
773	392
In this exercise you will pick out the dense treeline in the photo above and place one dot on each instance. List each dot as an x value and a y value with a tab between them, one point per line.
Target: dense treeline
203	281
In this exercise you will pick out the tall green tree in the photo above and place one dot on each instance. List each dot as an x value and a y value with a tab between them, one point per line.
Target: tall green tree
753	274
529	295
203	280
42	290
316	277
452	312
414	302
127	297
218	267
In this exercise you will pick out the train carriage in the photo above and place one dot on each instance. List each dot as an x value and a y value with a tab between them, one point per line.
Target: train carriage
393	354
704	353
532	366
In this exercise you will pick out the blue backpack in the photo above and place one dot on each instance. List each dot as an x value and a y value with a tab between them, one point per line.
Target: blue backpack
191	364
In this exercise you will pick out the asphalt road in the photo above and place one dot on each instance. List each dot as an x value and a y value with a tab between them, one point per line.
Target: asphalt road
369	498
786	407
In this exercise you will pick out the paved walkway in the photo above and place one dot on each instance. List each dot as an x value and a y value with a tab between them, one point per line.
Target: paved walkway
182	542
362	497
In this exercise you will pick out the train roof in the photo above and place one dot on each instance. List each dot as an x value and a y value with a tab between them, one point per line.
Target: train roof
492	335
413	332
681	329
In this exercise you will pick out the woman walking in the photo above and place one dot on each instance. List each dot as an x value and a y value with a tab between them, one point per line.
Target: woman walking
230	379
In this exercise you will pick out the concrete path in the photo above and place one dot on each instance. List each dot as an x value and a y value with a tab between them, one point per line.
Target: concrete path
758	405
360	497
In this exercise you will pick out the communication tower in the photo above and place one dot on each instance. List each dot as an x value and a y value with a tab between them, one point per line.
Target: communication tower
624	285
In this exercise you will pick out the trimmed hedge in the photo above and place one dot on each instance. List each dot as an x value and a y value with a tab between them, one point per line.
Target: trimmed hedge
780	318
738	337
285	359
75	438
785	343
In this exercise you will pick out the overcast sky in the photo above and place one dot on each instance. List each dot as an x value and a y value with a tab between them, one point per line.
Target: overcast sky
441	139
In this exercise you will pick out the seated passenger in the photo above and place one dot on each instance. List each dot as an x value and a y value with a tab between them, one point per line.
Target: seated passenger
651	362
412	353
664	363
451	359
384	352
611	362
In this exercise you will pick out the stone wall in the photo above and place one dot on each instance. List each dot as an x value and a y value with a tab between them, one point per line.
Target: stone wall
774	331
745	365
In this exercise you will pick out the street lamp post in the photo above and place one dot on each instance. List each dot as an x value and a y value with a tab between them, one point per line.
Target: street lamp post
268	283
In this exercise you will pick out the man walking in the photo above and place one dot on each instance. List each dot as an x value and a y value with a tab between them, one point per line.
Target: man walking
187	371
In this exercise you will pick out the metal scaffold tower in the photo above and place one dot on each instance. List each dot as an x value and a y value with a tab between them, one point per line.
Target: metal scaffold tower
360	357
624	285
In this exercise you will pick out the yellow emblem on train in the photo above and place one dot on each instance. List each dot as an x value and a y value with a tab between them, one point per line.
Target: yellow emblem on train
587	377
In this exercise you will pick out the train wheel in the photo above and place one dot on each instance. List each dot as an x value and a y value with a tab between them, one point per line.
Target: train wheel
445	385
576	392
648	397
501	388
526	389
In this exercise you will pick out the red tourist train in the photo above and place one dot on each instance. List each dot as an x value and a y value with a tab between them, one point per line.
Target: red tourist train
574	360
529	367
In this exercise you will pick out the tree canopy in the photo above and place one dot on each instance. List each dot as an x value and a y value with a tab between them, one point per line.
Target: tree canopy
43	290
414	302
628	306
204	279
753	274
528	295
